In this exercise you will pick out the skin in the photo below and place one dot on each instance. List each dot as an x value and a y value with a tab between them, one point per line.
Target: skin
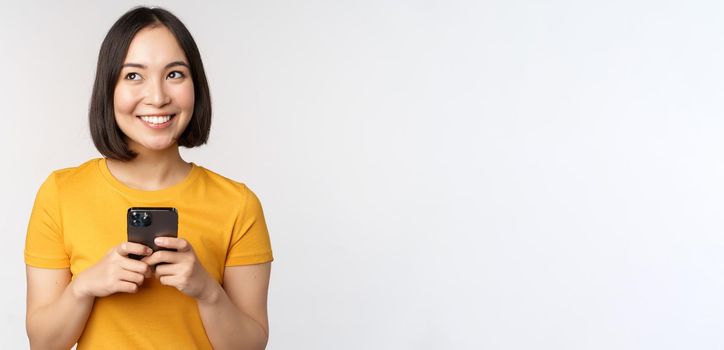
234	313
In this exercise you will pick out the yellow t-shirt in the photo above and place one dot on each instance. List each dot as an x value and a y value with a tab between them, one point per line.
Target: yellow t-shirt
80	213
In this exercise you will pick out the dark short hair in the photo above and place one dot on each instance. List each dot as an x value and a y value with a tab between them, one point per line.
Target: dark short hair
107	136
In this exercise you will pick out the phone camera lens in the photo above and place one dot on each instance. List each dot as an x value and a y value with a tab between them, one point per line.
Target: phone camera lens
146	219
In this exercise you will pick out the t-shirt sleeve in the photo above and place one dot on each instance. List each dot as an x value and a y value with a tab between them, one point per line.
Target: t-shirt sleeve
44	240
250	243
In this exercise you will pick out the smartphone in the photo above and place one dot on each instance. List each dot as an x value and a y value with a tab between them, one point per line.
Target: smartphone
145	224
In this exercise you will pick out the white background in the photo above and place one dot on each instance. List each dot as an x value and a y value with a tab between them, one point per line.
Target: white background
435	174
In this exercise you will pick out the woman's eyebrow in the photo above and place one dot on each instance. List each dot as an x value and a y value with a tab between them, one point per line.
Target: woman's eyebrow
172	64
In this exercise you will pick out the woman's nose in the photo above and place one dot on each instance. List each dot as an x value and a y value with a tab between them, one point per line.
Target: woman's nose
156	94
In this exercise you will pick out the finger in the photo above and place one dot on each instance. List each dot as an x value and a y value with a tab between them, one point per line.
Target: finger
167	280
162	256
179	244
165	270
132	277
133	248
127	287
135	266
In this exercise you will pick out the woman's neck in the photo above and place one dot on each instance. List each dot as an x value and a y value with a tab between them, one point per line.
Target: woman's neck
151	170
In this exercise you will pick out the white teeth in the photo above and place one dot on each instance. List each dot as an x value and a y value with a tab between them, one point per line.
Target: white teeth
155	120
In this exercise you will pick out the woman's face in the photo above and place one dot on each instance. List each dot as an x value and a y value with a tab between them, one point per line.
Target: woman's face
154	84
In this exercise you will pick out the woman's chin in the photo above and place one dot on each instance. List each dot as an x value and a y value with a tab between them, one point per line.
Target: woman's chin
157	145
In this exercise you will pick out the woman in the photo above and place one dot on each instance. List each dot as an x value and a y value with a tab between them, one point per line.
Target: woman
150	96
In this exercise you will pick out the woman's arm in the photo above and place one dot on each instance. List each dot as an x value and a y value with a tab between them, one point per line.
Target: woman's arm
56	314
235	316
58	309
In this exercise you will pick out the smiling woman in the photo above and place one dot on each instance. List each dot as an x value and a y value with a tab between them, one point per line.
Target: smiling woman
87	283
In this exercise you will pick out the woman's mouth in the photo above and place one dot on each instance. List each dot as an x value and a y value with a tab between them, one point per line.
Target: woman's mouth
157	121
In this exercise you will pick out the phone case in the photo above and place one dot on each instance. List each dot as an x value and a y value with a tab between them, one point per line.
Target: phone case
145	224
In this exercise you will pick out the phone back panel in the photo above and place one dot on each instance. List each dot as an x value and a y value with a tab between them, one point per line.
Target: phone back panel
149	223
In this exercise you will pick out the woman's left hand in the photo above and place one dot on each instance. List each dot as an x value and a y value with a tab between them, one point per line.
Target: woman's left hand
182	269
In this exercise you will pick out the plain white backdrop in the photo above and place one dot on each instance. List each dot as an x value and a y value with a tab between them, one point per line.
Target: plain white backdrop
435	174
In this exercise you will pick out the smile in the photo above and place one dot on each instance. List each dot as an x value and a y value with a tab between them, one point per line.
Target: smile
157	122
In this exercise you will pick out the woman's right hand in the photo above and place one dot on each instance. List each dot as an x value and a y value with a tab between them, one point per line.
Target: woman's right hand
116	272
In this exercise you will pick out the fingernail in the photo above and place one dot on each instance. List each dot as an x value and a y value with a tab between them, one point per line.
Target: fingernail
149	251
158	240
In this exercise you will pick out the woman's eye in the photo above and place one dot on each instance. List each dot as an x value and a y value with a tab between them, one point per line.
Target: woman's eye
175	75
133	76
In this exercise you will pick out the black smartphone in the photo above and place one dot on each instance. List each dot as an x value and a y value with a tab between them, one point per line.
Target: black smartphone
145	224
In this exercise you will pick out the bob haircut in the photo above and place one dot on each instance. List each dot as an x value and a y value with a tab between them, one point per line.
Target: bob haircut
107	136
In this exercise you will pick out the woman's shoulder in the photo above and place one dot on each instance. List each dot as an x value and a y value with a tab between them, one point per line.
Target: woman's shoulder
78	173
72	178
224	184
